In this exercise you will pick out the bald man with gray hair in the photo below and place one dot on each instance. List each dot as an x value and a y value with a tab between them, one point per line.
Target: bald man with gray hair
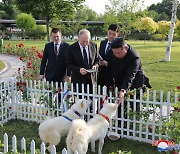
82	56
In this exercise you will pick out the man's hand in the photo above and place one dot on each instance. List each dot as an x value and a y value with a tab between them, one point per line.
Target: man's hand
121	95
83	71
103	63
67	79
41	77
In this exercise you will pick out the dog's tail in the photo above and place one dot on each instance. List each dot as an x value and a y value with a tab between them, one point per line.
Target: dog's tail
77	139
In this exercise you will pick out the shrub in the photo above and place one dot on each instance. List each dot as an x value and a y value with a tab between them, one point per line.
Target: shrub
31	58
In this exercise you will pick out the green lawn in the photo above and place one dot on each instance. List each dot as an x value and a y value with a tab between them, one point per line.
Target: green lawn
29	131
2	65
163	75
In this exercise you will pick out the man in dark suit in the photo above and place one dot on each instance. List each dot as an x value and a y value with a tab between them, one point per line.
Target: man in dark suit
128	75
82	55
53	64
105	77
127	68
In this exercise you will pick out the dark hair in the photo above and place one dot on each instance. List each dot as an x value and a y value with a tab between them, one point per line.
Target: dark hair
117	43
114	27
55	30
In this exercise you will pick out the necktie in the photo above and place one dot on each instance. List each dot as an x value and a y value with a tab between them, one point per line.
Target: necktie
108	48
86	65
55	49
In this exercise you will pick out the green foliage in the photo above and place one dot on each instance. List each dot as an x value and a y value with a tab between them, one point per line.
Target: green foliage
163	28
26	22
123	12
172	127
177	30
146	25
38	33
31	58
165	7
50	9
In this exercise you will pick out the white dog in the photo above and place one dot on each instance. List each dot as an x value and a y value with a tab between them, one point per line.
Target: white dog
82	133
51	130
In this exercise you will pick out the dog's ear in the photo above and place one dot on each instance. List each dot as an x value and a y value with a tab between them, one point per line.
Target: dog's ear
82	104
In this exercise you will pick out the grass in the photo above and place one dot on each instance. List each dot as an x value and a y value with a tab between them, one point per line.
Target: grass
163	75
29	130
2	65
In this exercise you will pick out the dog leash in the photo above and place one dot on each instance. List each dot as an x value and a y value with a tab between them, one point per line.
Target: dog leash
63	103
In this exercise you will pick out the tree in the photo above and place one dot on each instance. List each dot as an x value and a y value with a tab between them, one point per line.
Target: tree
146	25
166	7
163	28
125	12
171	32
50	9
25	22
178	27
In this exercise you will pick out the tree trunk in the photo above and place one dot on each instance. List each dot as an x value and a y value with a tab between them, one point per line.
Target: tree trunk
24	34
47	30
170	38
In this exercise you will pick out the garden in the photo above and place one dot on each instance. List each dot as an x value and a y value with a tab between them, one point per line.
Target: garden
163	76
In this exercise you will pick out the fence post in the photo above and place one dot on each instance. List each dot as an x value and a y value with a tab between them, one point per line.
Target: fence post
53	150
12	83
23	145
32	147
5	143
43	148
14	144
64	151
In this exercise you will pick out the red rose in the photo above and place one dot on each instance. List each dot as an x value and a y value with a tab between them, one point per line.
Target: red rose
24	83
68	96
21	89
178	87
18	83
40	55
21	58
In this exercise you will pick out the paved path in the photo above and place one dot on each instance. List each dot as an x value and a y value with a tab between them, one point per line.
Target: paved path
12	64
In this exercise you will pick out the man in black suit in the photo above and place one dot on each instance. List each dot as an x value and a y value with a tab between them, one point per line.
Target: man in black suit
127	68
82	55
105	77
53	64
127	74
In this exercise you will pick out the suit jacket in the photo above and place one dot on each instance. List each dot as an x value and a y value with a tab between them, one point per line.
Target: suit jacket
128	73
105	76
52	65
75	62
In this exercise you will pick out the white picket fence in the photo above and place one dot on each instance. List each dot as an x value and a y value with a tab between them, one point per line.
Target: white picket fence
24	149
43	100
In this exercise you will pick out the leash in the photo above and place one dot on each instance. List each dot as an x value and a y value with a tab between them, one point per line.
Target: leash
63	103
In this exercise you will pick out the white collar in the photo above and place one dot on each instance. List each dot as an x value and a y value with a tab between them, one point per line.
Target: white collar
57	43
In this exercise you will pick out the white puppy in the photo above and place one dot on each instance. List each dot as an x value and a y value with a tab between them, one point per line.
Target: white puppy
82	133
51	130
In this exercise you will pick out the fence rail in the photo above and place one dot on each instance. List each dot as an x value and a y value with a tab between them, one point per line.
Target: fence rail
35	100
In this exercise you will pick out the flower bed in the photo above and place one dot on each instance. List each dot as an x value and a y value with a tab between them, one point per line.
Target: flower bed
30	56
